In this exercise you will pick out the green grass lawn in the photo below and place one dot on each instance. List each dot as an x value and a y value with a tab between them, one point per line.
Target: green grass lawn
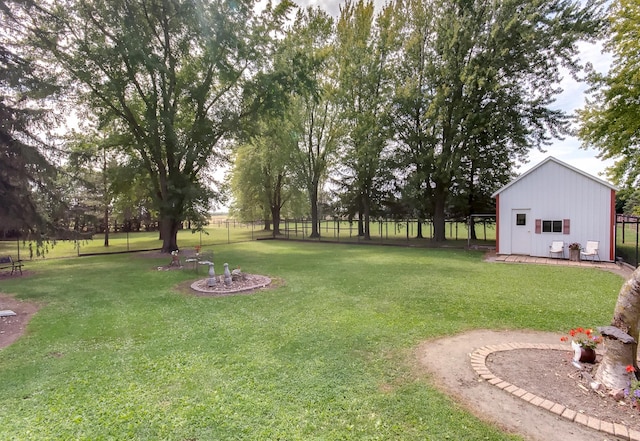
116	353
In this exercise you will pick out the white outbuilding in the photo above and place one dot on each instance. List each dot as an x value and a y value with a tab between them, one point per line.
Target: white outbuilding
553	202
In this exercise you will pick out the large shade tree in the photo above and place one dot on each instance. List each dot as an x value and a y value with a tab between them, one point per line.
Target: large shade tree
26	171
363	45
313	109
167	75
262	177
480	77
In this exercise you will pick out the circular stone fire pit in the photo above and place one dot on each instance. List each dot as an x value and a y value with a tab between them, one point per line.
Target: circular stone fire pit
249	282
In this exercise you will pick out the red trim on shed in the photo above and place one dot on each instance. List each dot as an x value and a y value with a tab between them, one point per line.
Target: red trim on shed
538	226
566	226
612	228
497	224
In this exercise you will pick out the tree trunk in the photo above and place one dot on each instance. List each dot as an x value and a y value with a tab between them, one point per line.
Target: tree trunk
275	216
106	226
315	233
169	234
612	371
360	224
472	228
439	224
419	234
105	197
470	203
366	218
275	203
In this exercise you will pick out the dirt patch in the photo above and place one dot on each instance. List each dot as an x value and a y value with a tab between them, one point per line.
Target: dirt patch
448	361
12	327
248	282
6	274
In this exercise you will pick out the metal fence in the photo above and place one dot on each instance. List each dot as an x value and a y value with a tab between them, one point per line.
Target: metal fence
390	231
627	235
218	232
403	232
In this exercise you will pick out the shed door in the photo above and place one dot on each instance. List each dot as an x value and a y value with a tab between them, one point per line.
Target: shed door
521	227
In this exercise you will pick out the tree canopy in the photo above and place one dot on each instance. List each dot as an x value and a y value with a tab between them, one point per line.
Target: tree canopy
476	86
167	76
25	167
425	105
364	89
609	121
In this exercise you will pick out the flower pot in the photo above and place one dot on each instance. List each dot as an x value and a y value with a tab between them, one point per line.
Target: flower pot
582	354
574	255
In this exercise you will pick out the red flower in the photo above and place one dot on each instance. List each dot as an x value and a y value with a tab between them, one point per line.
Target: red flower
585	337
630	368
564	338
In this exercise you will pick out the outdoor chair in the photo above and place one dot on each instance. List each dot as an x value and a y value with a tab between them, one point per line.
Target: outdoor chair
556	248
591	250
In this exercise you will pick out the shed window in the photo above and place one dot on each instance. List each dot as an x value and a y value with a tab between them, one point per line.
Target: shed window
552	226
521	219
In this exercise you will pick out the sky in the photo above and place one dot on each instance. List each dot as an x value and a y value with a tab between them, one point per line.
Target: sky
573	97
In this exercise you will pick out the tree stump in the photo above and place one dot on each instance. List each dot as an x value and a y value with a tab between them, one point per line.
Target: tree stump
620	339
619	351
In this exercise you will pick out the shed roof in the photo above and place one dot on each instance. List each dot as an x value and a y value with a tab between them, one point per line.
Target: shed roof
563	164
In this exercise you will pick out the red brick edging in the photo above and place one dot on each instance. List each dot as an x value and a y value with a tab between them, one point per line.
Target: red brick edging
478	362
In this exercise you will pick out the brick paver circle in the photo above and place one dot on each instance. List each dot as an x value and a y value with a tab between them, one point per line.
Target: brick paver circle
478	362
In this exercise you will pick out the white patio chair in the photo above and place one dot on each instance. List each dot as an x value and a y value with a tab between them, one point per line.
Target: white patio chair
556	247
591	250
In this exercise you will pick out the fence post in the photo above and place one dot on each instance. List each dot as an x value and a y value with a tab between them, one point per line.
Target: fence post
637	242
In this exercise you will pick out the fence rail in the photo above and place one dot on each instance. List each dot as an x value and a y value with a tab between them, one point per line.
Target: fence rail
226	231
